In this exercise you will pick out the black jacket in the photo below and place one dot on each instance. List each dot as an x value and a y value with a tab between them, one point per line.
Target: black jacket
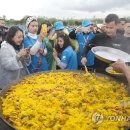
103	40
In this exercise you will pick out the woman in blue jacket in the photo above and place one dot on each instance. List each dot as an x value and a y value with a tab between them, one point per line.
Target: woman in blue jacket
38	50
64	54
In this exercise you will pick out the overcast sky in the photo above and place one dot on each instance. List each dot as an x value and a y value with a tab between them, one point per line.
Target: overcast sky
17	9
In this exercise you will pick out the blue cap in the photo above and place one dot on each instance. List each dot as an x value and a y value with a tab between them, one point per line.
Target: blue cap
58	25
86	22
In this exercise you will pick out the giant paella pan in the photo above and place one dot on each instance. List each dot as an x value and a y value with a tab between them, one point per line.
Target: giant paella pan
64	100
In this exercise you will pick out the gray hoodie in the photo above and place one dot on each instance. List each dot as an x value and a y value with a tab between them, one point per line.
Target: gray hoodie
11	68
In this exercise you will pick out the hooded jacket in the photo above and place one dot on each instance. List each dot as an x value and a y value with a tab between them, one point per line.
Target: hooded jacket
11	67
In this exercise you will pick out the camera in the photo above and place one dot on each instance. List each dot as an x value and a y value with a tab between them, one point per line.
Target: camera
3	30
3	33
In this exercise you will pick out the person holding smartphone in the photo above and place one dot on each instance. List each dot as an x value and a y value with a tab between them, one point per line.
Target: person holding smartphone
13	58
38	49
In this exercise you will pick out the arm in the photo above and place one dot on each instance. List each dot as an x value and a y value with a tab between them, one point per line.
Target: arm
90	43
58	61
9	61
121	66
126	71
34	49
60	64
85	52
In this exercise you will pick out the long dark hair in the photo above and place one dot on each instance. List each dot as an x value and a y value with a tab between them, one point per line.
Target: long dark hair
66	43
11	33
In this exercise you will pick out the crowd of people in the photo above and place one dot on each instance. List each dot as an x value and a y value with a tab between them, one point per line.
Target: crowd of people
23	54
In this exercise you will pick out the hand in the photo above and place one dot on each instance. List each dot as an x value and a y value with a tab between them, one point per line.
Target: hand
55	53
28	49
83	60
41	51
119	65
23	53
51	34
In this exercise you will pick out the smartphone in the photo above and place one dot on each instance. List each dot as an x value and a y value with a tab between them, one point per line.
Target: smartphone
44	29
28	49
